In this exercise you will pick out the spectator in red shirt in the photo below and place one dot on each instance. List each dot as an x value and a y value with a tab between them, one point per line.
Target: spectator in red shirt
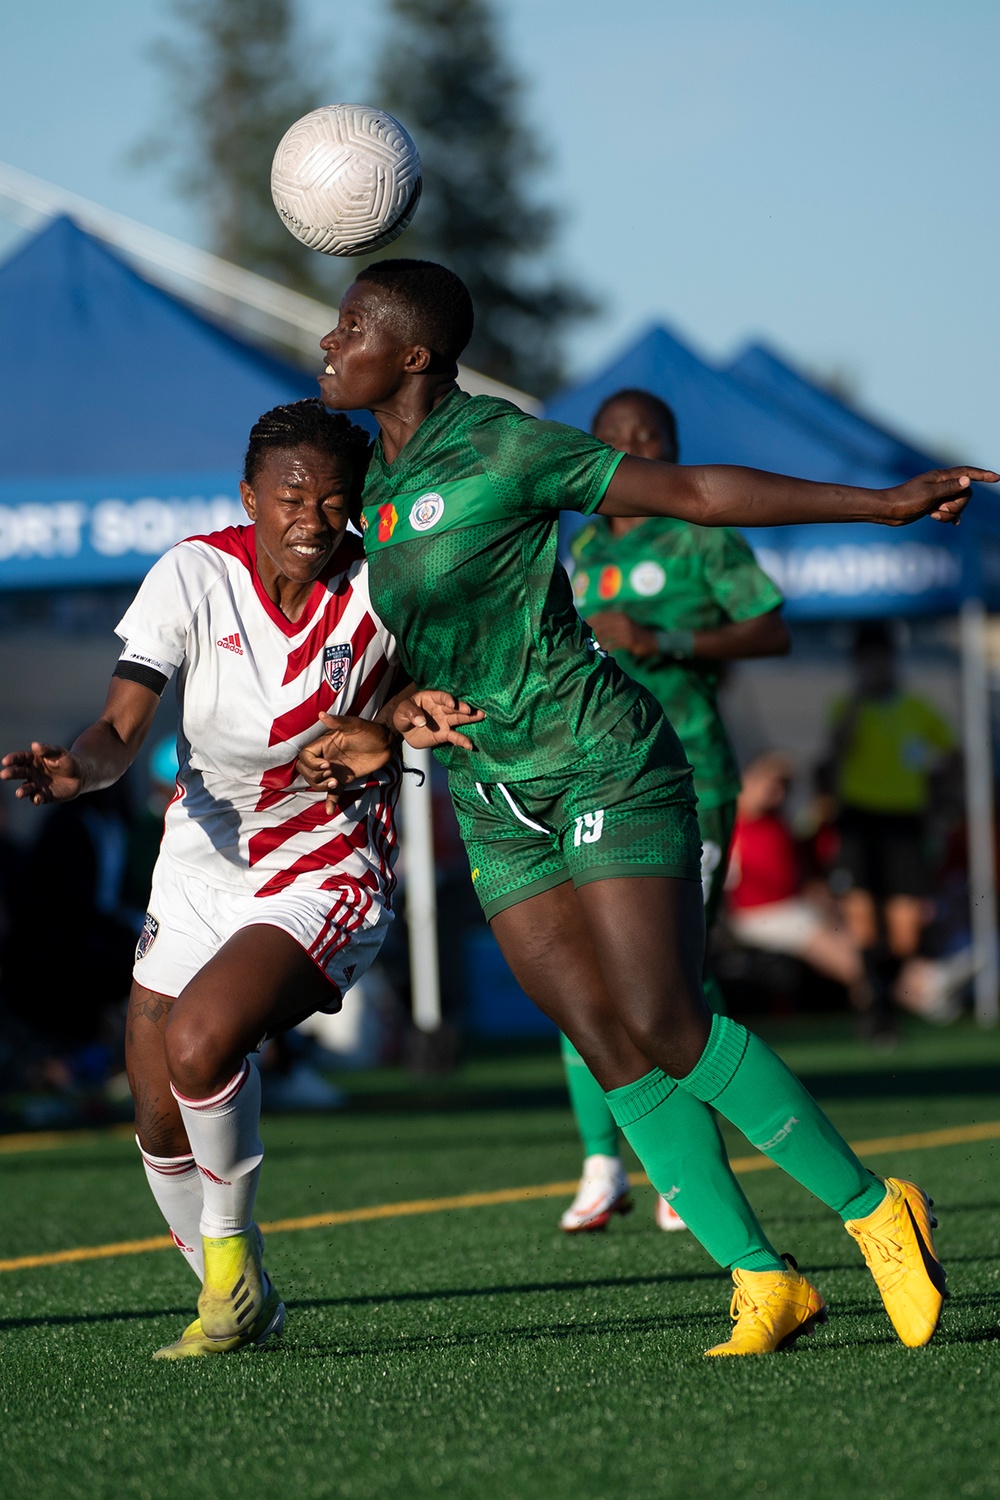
767	908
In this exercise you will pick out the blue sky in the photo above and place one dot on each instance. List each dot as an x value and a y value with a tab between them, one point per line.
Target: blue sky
818	172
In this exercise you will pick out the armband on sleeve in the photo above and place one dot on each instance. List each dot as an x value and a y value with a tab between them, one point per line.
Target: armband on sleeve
676	643
147	677
138	666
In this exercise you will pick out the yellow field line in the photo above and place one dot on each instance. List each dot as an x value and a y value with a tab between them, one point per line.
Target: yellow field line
924	1140
52	1140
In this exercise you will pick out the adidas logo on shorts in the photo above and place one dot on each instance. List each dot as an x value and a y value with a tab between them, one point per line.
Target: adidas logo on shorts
231	643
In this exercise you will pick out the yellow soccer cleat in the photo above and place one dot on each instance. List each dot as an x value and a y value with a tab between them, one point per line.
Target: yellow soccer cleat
235	1286
897	1243
771	1309
192	1343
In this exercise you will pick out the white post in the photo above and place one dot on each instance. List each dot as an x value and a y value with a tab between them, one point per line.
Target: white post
979	808
421	893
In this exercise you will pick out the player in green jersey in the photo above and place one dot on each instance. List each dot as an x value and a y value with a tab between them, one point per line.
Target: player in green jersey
671	601
576	803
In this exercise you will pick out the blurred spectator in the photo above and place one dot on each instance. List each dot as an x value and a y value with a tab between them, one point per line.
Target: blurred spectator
885	745
68	958
11	863
767	908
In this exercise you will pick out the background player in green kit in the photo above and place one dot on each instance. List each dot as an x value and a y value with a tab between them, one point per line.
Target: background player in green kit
671	601
576	803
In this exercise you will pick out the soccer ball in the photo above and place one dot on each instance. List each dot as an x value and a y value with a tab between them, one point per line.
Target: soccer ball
346	179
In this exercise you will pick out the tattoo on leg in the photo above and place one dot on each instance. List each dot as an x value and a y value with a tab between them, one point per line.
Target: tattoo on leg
153	1007
158	1121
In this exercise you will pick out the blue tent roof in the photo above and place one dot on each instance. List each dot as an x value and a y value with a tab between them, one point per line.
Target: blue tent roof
720	420
103	373
125	414
773	379
777	421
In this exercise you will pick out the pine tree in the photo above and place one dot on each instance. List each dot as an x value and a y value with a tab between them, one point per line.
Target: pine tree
444	74
238	75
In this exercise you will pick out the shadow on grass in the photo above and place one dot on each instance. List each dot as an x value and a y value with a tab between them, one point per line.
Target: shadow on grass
559	1135
942	1208
373	1299
69	1320
521	1334
34	1164
890	1082
904	1082
893	1080
836	1338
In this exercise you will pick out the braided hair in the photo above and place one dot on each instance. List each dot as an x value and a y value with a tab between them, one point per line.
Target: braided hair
308	424
665	419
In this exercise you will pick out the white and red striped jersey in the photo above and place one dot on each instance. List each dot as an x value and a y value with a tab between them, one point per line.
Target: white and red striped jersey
251	685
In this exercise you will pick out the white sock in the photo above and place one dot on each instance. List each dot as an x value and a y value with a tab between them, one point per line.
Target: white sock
175	1183
225	1140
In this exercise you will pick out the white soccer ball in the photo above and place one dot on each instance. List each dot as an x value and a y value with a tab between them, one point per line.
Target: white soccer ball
346	179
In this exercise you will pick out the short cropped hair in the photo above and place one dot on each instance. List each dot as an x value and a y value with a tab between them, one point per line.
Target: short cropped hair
306	424
665	419
438	308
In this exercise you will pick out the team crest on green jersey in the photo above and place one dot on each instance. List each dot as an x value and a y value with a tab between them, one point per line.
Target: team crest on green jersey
426	511
648	578
452	505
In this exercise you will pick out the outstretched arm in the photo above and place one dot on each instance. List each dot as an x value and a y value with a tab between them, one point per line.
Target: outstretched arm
736	640
724	495
97	758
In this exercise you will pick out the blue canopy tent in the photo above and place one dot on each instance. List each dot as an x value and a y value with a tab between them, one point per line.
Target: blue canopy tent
825	571
762	414
773	378
125	415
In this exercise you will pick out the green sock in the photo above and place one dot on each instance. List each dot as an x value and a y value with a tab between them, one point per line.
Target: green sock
679	1144
744	1080
594	1120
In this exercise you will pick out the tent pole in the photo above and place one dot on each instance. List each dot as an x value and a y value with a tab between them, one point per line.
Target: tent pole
979	808
421	891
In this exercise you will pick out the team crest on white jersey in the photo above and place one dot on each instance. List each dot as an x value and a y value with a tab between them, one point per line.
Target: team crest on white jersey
147	937
337	666
426	512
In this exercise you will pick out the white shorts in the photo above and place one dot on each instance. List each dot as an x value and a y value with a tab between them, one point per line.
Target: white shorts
779	927
188	922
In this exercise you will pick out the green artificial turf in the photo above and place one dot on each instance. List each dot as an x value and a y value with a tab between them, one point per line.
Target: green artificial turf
479	1352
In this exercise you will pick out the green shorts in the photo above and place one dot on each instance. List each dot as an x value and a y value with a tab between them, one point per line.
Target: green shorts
626	809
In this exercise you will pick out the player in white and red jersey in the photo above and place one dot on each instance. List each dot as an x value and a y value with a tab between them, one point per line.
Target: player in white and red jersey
267	899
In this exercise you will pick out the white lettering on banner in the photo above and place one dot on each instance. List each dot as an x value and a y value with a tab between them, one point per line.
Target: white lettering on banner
41	530
150	526
847	571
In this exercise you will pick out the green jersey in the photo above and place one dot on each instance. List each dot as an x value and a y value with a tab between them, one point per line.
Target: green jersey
670	575
460	532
